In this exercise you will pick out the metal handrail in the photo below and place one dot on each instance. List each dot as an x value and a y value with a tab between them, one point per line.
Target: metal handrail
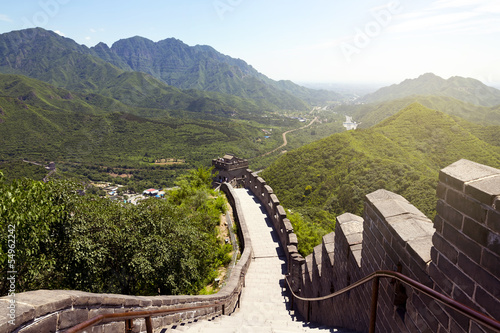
129	316
472	314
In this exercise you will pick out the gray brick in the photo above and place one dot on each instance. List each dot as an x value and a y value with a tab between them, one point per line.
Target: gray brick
460	296
438	224
71	318
460	326
463	243
493	242
491	262
457	276
443	246
484	190
464	204
476	231
449	214
493	220
479	275
440	280
441	191
46	325
488	302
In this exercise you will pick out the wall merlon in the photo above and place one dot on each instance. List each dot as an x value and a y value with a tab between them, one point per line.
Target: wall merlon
329	247
348	217
485	190
268	189
274	199
317	256
288	226
463	171
281	212
292	239
389	204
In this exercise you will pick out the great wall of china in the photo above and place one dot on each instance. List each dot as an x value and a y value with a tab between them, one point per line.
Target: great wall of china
457	255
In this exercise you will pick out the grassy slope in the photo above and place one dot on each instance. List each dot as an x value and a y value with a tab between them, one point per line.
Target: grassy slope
403	154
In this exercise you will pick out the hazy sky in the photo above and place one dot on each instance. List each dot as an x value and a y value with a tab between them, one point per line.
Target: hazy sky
365	41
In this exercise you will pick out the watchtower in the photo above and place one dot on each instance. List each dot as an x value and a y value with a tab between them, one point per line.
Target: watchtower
230	168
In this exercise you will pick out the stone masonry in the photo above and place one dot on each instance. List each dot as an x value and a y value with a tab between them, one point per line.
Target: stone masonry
457	255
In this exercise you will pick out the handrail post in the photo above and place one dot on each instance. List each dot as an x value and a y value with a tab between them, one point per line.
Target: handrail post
149	325
128	325
308	311
373	314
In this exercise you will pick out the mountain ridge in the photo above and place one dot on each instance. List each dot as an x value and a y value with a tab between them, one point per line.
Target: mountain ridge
60	61
465	89
164	61
47	56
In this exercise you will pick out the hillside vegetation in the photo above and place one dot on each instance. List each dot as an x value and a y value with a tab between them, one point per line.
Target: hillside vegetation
68	239
371	114
87	133
402	154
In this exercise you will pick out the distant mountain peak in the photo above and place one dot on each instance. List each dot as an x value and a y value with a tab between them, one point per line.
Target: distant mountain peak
464	89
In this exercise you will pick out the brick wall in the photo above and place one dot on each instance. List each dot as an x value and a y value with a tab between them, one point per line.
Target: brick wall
466	254
457	255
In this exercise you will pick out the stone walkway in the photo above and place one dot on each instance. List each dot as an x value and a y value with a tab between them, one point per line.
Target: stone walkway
264	301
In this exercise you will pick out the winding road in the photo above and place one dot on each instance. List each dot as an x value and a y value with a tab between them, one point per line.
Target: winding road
285	142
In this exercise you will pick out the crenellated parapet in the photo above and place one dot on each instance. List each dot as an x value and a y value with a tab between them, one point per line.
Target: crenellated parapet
458	254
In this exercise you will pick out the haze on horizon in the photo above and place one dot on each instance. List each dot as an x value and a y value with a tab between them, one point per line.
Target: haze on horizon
321	41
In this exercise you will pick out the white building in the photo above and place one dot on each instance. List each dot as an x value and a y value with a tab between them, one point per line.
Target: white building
349	124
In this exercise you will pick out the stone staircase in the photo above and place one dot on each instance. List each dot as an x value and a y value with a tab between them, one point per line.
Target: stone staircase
265	306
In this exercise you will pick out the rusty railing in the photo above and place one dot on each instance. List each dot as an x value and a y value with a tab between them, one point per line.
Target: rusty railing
474	315
128	317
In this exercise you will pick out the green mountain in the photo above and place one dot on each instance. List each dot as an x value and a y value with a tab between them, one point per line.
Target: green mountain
371	114
402	154
201	67
60	61
137	70
464	89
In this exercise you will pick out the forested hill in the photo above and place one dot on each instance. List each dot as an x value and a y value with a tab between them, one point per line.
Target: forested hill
403	154
464	89
41	122
370	114
202	67
144	68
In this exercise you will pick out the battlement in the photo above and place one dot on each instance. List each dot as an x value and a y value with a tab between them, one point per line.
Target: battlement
229	163
230	169
458	254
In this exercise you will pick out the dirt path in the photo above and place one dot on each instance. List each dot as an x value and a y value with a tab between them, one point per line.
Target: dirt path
285	142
